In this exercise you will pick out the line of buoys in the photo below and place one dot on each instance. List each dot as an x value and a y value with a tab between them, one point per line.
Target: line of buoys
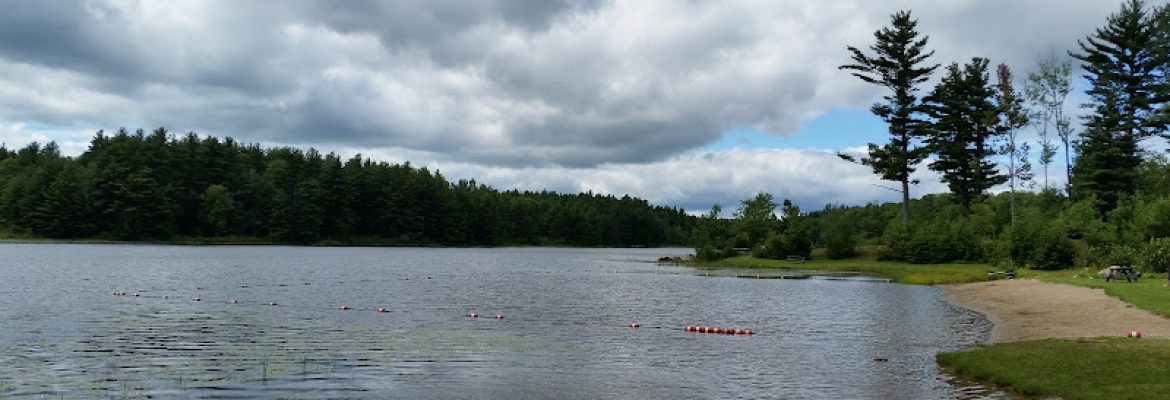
724	331
118	293
1133	334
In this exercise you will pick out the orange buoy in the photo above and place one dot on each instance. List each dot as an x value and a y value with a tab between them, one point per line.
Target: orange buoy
635	325
473	315
381	309
343	307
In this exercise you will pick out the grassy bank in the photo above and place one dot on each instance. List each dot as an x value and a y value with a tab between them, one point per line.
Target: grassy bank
1103	368
1149	293
915	274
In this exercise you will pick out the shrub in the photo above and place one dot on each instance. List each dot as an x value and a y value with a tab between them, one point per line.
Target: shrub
781	246
934	243
712	253
1155	256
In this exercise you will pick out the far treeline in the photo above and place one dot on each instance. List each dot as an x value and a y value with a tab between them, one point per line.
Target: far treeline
1115	208
156	186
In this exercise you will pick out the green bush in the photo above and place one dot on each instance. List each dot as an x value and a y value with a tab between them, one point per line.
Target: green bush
934	243
778	247
712	253
1155	256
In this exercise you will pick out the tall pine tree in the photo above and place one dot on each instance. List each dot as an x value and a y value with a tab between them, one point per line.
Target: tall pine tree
1125	71
898	65
966	122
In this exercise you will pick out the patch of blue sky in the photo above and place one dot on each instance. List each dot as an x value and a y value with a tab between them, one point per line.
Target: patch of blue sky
836	130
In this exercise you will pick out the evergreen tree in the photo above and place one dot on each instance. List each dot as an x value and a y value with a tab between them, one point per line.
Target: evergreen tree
898	65
1125	72
966	121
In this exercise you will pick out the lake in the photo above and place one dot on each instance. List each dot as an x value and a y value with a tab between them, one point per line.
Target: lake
565	329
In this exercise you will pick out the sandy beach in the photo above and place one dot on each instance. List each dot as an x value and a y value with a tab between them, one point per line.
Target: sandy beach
1026	309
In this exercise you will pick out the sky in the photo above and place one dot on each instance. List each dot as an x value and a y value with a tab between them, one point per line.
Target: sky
684	103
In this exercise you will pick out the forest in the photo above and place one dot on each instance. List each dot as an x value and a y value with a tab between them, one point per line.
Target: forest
165	187
1113	209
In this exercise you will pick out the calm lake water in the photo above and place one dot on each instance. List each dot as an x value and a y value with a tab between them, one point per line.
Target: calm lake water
565	332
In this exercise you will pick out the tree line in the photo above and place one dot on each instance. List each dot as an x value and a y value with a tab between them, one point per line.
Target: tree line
159	186
1115	208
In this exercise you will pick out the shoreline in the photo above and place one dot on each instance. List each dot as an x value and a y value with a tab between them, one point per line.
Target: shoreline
1028	309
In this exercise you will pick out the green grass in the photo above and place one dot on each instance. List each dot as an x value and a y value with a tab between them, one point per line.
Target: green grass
915	274
1103	368
1149	293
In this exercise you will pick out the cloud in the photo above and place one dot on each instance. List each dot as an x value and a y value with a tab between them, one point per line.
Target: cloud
696	180
583	94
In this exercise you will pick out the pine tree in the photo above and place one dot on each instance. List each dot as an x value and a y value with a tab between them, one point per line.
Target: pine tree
1125	71
966	123
898	65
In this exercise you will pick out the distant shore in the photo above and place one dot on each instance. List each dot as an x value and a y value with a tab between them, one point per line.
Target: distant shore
1028	309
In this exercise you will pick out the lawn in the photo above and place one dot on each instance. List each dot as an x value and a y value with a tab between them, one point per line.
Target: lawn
1101	368
915	274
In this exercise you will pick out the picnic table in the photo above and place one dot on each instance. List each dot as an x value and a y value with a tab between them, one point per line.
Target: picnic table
1121	271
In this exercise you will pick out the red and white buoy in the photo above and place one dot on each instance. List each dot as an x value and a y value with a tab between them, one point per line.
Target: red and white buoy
635	325
381	309
499	316
1133	334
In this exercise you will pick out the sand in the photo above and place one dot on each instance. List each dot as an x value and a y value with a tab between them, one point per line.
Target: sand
1026	309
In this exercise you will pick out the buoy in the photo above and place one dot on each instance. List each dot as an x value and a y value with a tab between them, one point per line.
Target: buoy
244	286
881	359
499	316
1133	334
282	284
748	332
199	288
272	303
381	309
136	294
343	307
233	301
473	315
198	299
635	325
166	297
